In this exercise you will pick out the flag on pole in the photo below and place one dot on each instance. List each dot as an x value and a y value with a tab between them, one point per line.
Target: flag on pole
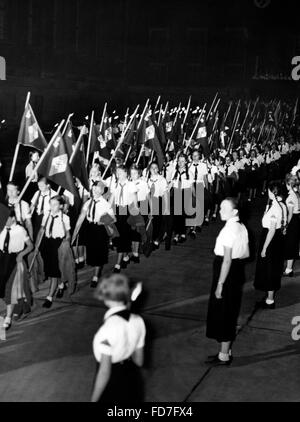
30	134
69	138
78	164
55	166
151	141
201	137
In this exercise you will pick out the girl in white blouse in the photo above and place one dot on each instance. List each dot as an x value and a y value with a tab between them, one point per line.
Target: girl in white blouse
55	228
231	250
119	344
21	208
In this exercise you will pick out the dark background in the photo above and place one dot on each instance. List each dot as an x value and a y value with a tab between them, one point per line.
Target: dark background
73	55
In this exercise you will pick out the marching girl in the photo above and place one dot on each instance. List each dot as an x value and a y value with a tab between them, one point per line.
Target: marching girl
34	158
15	245
98	213
21	208
55	229
182	193
143	205
231	249
198	174
292	238
40	204
218	175
231	176
95	174
252	174
159	204
270	260
119	344
124	198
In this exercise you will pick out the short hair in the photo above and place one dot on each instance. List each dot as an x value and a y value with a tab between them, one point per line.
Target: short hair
291	180
43	179
114	287
13	183
136	168
276	188
59	199
234	202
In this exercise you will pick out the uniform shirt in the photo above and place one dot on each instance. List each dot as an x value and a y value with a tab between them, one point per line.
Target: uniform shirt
274	214
182	177
18	238
229	170
293	201
60	226
253	163
199	170
22	210
284	148
95	209
29	170
275	155
158	186
234	235
142	189
260	159
217	170
119	338
170	167
41	201
124	193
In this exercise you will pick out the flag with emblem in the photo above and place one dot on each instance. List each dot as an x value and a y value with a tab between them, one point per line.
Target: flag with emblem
55	166
78	164
69	138
30	133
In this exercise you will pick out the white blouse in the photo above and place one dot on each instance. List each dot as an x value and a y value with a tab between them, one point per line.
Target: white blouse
22	211
60	226
185	182
201	172
37	201
102	207
142	189
119	338
293	201
160	185
234	235
275	214
126	196
18	238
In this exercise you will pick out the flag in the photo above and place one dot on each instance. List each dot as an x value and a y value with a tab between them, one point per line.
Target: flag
69	139
30	134
95	142
55	166
201	136
78	164
152	141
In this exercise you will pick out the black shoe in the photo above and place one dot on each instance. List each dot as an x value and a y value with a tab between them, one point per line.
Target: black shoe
135	259
291	274
124	263
216	361
175	240
60	293
182	239
214	218
265	305
116	270
79	265
193	234
155	246
94	284
198	229
206	222
168	244
47	304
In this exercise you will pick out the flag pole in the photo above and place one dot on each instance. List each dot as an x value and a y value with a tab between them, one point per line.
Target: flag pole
195	128
33	174
120	142
67	122
77	144
233	132
157	102
90	138
228	111
16	153
212	105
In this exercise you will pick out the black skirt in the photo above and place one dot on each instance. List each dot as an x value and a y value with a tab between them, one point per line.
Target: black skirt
292	238
125	384
7	266
123	242
49	251
222	315
97	245
269	269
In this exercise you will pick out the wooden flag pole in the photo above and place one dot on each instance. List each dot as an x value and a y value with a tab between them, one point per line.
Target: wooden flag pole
156	105
213	129
187	112
195	128
159	115
33	174
228	111
233	132
261	131
16	153
67	122
120	142
77	144
143	114
244	121
90	138
212	105
217	105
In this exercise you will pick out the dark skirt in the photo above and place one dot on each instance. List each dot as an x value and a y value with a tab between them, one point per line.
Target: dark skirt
269	269
97	245
7	266
292	238
36	224
222	315
49	251
125	384
123	242
30	191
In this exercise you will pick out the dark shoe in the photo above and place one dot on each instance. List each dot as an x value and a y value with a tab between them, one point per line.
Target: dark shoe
206	222
193	234
266	306
215	361
198	229
116	270
182	239
80	265
155	246
124	264
47	304
175	240
291	274
135	259
168	244
93	284
214	218
60	293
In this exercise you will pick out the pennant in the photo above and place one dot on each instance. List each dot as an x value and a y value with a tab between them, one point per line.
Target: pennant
30	134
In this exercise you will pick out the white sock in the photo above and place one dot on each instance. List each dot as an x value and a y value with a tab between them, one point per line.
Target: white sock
95	278
269	302
126	258
61	286
49	298
288	270
81	259
118	266
156	243
224	357
135	254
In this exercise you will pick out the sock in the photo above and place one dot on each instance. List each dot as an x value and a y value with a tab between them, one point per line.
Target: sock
81	259
61	286
49	298
135	254
118	266
156	243
288	270
224	357
269	302
126	258
95	278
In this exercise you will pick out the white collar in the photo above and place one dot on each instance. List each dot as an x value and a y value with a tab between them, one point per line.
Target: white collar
235	219
114	310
